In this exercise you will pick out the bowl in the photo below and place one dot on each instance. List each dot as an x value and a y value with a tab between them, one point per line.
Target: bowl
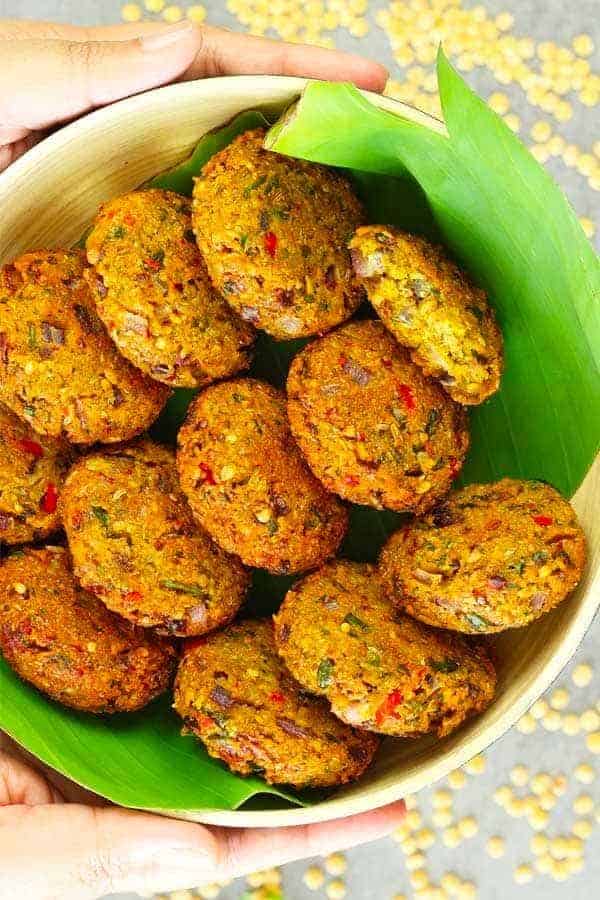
48	198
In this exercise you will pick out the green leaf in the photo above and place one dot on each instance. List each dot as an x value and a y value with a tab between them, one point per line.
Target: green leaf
508	223
325	673
138	760
194	590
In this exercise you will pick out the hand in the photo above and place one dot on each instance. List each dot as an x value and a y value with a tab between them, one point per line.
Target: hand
53	73
51	849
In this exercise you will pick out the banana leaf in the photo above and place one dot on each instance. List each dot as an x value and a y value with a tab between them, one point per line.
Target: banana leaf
479	191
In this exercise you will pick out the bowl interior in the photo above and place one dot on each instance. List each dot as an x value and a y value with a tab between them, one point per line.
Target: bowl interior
47	200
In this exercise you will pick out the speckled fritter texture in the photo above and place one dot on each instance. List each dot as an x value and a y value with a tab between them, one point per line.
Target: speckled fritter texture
235	694
340	637
59	370
32	471
68	645
489	557
274	233
431	307
135	543
248	484
373	429
153	293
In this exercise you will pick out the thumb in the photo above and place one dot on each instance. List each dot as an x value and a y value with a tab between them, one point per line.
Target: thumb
45	81
74	852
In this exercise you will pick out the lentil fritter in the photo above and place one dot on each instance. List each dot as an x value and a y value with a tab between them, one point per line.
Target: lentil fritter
382	671
136	546
248	484
59	370
274	232
431	307
32	471
68	645
154	295
373	429
489	557
235	694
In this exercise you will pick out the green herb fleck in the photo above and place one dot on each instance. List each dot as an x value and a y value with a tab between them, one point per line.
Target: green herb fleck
477	622
116	233
101	515
32	339
325	673
432	420
444	665
353	620
194	590
243	241
373	657
272	526
255	184
29	411
540	556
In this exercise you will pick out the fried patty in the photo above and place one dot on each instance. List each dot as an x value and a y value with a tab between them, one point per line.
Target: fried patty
274	232
489	557
154	295
373	429
235	694
248	484
136	546
32	471
67	644
59	370
431	307
340	637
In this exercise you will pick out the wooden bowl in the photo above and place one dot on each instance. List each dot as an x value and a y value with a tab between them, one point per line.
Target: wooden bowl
47	199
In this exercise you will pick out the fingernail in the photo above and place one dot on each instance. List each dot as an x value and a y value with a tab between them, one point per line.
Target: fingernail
166	37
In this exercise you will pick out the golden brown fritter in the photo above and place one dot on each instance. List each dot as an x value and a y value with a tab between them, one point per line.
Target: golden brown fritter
59	370
489	557
248	484
373	429
340	637
32	471
431	307
235	694
68	645
136	546
274	232
154	295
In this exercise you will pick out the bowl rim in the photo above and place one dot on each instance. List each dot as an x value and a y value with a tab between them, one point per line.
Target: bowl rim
455	756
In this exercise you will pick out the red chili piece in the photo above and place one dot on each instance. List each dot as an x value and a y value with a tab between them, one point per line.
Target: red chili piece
493	524
133	596
152	264
388	707
342	359
277	697
542	520
351	479
408	398
31	447
50	499
209	477
271	243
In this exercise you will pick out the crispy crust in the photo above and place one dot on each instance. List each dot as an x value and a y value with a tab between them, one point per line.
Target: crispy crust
59	370
274	231
234	693
339	637
136	546
489	557
373	429
248	484
154	295
432	308
68	645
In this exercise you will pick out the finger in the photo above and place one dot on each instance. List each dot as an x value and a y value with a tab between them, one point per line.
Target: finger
47	81
22	785
227	53
242	849
12	151
78	852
